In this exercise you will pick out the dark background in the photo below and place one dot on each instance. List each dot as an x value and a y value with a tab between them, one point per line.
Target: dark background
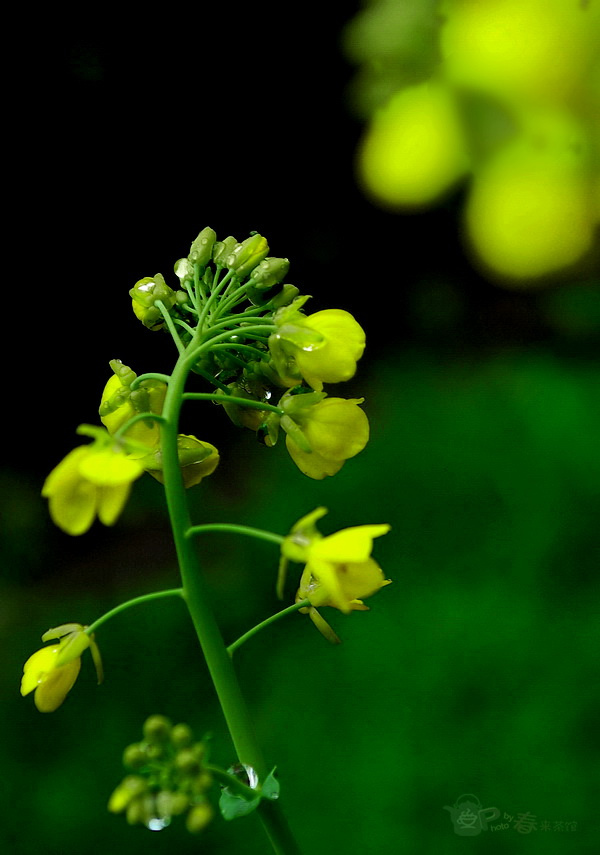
475	672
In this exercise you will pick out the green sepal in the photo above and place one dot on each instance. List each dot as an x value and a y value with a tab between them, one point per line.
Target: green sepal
59	631
233	805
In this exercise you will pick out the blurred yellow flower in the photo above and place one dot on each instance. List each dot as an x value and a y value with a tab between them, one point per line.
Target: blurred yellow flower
51	671
92	480
322	348
339	570
415	148
507	93
321	436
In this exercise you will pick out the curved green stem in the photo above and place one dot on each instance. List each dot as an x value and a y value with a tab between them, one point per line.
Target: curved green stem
215	291
150	375
243	332
231	782
144	598
170	325
155	417
232	399
247	635
248	348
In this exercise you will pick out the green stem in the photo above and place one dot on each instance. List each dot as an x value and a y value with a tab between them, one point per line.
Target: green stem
232	782
247	635
184	325
199	290
150	375
217	658
254	351
216	289
235	320
243	332
170	325
144	598
230	300
232	399
154	417
212	380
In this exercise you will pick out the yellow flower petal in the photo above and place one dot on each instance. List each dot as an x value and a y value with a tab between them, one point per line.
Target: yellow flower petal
359	580
110	502
334	360
55	686
314	465
38	664
328	591
337	428
349	545
72	500
107	468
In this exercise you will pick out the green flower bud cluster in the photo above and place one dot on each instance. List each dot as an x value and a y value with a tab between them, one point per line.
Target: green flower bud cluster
210	265
266	348
168	777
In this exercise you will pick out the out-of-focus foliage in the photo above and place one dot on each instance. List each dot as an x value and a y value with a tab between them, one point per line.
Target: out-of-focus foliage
473	672
506	92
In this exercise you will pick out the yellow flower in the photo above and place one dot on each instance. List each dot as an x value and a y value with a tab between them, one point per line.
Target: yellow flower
321	436
322	348
339	569
196	458
92	480
51	671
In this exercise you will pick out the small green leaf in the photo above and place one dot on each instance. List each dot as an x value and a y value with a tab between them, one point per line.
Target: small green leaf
233	806
270	788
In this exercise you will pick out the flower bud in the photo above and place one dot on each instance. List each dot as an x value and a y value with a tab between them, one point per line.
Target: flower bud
182	736
179	803
134	757
130	788
247	255
145	294
287	294
270	271
222	250
199	817
184	271
202	247
187	763
137	810
157	728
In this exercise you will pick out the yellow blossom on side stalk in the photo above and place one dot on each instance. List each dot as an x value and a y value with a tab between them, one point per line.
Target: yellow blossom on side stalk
321	348
92	480
322	433
339	570
51	671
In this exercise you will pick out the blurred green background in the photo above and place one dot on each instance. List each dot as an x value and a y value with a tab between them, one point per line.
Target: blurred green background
476	671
